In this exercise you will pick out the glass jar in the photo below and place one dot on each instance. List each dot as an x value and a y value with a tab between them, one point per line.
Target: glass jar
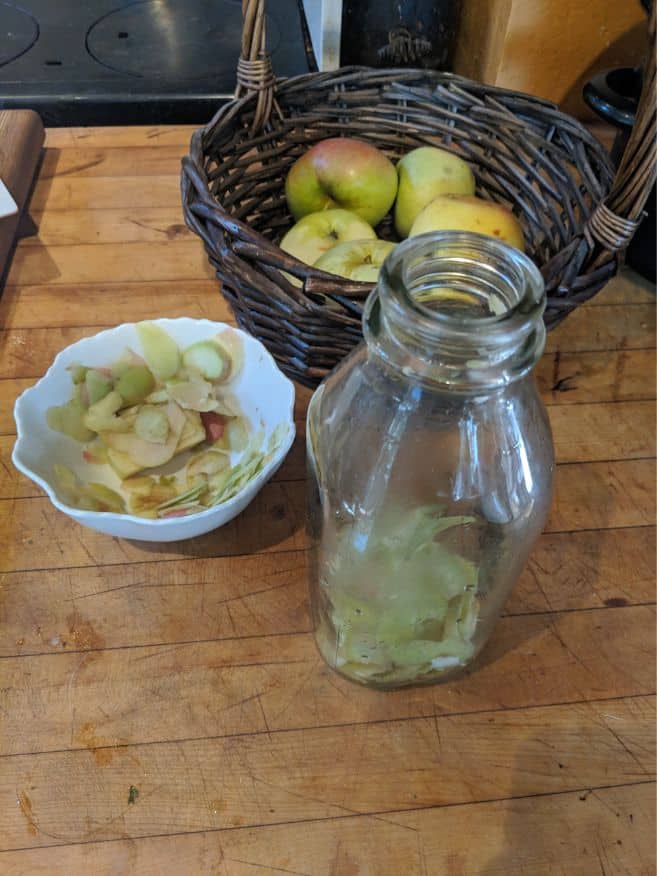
430	462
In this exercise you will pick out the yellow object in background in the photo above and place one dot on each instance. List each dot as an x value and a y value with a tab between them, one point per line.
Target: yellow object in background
549	47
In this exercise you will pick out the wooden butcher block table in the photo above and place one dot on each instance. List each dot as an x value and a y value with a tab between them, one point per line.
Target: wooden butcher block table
164	710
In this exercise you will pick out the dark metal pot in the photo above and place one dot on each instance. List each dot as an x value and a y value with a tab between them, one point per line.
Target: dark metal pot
399	33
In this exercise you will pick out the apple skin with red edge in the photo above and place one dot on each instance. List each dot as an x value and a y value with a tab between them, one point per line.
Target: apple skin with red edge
342	172
315	234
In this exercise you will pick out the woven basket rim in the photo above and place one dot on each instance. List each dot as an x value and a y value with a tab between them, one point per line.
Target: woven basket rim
578	215
270	251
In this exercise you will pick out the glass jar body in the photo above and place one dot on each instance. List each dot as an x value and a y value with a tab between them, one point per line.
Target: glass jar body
423	505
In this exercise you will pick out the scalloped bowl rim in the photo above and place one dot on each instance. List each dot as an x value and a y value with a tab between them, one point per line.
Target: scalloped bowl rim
253	486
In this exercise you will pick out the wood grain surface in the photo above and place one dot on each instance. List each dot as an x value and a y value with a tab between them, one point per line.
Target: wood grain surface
163	708
21	138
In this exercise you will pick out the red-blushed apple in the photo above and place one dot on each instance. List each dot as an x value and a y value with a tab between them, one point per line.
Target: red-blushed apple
313	235
358	260
425	173
462	213
341	172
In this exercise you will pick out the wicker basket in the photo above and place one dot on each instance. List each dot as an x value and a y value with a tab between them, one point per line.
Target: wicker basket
578	216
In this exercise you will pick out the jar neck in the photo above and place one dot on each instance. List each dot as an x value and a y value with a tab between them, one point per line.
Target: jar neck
457	310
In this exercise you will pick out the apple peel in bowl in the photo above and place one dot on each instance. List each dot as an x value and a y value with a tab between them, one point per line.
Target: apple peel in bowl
156	449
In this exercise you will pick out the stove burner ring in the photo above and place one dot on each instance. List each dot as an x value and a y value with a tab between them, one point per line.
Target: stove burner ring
160	39
19	32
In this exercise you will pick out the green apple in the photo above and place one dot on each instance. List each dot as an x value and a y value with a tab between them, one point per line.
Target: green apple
315	234
424	174
341	172
358	260
462	213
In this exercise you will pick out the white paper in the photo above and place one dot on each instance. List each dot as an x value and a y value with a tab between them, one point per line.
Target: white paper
8	205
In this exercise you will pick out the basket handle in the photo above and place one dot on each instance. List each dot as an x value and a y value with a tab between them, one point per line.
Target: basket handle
254	71
614	221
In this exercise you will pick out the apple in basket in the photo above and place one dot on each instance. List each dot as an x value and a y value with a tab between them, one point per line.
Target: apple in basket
425	173
313	235
342	172
358	260
464	213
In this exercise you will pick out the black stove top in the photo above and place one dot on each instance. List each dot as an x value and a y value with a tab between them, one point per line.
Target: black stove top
81	62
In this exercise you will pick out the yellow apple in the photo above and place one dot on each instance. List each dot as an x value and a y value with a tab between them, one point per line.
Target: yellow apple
358	260
462	213
424	174
315	234
341	172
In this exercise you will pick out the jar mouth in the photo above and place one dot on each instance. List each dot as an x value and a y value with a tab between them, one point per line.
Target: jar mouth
457	284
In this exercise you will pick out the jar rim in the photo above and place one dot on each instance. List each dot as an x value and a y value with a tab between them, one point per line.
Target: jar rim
492	256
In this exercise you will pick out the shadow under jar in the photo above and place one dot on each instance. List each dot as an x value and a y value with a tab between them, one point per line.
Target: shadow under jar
430	462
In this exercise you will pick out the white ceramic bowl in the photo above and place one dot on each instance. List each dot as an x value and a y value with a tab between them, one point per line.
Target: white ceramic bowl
265	394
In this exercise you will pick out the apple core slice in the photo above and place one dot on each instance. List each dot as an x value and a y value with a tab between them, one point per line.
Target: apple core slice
152	424
207	358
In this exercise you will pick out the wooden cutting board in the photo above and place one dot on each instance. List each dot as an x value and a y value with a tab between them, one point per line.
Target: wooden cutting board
21	139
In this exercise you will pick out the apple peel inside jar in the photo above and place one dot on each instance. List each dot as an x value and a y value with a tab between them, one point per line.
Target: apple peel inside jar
403	605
